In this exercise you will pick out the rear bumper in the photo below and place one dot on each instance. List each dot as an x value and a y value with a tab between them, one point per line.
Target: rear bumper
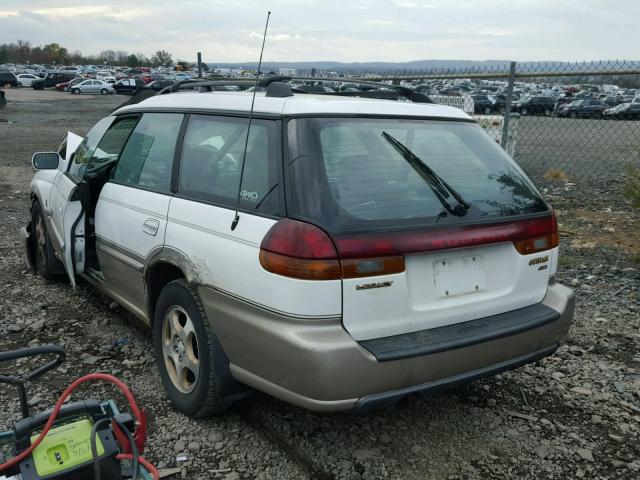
378	400
317	365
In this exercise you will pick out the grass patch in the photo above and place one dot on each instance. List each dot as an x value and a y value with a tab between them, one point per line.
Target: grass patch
556	174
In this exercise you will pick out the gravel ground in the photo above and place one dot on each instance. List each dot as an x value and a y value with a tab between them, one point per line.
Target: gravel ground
573	415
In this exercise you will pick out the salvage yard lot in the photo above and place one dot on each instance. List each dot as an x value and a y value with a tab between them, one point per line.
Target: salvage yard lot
574	415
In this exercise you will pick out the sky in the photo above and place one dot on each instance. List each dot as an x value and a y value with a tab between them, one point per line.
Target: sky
345	31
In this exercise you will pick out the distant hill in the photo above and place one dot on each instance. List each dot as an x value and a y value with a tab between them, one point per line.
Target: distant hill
368	66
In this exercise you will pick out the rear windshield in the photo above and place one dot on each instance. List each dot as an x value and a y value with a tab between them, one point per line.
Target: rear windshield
346	177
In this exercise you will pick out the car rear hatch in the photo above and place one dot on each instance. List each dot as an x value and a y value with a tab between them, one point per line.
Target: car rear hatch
418	251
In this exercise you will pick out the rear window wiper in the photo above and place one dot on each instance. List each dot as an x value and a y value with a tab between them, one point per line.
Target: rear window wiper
439	186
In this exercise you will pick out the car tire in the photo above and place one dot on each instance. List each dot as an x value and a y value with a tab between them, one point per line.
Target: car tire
183	339
547	112
104	91
487	110
46	263
524	112
75	91
573	115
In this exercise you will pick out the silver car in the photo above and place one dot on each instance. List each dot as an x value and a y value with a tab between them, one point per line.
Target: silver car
92	86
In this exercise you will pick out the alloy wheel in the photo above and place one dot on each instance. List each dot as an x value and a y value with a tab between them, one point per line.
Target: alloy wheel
180	349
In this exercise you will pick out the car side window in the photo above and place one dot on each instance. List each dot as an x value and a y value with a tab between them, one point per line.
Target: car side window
147	158
211	162
84	152
112	143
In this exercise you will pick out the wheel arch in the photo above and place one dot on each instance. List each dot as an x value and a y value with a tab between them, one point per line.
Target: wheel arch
165	266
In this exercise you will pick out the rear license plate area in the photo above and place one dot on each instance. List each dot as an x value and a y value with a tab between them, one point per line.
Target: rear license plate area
456	276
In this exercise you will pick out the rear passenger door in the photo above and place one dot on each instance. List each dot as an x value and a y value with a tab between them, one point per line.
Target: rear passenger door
201	214
131	213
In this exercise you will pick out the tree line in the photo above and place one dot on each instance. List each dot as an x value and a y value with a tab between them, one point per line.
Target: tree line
22	52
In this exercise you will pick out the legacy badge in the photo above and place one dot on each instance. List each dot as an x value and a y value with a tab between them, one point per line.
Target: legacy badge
367	286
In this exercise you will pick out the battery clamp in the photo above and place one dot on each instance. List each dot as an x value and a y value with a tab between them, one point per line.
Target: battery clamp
82	440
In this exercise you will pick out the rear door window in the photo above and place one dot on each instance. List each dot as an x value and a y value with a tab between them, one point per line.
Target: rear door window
147	158
211	162
347	178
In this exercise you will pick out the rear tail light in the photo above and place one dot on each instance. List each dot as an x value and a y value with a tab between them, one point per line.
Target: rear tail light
543	236
301	250
323	269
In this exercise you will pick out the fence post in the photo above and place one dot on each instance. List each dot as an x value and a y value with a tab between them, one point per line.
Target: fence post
199	65
507	107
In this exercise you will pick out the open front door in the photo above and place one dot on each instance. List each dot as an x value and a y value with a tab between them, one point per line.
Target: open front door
67	223
69	200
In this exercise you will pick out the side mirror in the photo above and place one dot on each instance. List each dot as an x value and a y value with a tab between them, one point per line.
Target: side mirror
45	160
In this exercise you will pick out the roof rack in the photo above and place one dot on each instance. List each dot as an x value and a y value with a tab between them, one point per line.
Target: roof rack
276	86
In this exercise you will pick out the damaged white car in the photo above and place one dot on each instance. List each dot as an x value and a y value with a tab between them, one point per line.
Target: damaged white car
382	248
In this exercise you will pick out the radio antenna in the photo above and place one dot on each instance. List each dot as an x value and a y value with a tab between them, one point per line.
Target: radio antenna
236	219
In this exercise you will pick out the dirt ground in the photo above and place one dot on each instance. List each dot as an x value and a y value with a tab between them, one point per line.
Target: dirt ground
573	415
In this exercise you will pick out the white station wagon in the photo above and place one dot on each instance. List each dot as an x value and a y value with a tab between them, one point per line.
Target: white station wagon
382	248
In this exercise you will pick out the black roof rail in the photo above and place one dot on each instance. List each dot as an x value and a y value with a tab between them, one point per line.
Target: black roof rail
210	85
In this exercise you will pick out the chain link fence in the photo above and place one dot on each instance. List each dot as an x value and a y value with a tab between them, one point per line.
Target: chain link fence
560	121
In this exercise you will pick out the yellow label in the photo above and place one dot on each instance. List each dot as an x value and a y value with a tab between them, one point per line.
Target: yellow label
65	447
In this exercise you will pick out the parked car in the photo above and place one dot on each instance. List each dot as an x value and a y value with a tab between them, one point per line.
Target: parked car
133	71
76	70
181	76
612	101
590	107
500	102
394	269
102	74
534	106
7	77
128	85
52	79
483	104
64	86
92	86
624	111
561	101
26	79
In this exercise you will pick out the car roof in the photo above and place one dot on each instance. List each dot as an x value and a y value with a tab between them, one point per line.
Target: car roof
298	104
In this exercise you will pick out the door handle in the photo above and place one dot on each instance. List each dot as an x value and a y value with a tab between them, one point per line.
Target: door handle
151	226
